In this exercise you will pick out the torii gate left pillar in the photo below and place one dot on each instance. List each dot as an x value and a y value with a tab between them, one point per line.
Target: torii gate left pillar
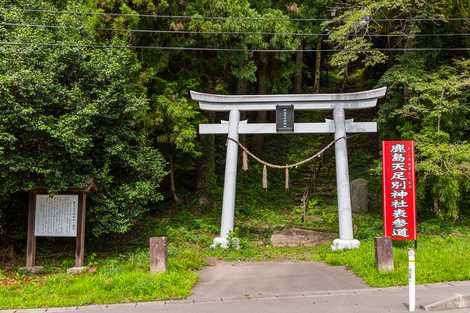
230	181
339	126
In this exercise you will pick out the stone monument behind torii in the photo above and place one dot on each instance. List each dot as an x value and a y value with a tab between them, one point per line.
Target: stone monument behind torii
284	105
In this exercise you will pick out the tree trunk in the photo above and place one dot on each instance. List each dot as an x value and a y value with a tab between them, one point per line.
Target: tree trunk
242	89
172	178
299	62
207	180
261	116
345	79
435	206
316	84
410	42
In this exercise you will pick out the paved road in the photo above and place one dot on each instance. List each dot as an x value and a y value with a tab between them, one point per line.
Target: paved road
264	288
228	280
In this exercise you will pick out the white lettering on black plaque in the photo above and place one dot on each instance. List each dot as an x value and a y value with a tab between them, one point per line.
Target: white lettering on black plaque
285	118
56	216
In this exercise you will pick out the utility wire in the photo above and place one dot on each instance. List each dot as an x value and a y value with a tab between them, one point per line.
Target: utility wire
152	31
189	17
225	49
234	17
167	31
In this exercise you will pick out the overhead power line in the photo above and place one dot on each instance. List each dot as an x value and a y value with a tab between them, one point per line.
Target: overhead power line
175	48
184	32
301	19
180	17
152	31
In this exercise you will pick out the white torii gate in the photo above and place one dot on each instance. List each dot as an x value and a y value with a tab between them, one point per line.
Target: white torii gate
339	126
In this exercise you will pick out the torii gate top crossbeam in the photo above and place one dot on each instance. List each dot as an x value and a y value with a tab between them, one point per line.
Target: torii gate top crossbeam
353	100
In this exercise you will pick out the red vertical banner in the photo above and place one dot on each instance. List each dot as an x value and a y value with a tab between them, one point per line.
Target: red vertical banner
399	189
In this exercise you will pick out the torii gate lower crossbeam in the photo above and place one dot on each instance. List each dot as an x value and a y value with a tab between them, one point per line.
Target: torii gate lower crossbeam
339	126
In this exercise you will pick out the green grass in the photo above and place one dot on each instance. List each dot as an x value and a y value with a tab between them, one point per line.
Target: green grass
118	279
121	262
65	290
438	259
262	253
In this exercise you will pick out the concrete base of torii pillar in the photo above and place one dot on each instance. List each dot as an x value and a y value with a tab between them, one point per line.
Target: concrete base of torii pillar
344	244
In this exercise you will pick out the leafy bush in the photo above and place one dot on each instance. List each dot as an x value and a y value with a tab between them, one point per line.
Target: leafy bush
71	114
367	226
428	103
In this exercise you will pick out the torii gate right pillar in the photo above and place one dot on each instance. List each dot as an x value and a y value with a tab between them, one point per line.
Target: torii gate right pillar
346	240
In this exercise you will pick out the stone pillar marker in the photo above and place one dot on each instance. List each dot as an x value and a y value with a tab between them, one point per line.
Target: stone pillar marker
359	195
158	251
384	254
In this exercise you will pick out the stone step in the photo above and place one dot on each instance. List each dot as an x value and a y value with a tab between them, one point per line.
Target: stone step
458	301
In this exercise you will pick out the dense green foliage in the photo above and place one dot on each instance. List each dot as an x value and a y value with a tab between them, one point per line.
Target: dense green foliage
436	116
73	110
85	94
71	114
429	92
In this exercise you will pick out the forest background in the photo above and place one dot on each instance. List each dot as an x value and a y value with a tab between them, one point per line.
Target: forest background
100	90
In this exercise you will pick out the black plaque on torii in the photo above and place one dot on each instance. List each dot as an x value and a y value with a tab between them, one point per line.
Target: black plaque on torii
285	118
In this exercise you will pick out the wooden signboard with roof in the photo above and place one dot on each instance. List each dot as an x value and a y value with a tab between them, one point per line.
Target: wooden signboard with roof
61	215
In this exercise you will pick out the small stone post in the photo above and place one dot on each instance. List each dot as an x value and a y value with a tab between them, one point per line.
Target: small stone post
158	254
384	254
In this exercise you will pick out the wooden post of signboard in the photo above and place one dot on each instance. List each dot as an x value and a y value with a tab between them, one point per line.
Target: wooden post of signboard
80	239
31	241
31	267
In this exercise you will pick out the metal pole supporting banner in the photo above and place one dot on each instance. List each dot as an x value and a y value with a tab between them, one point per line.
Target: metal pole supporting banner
230	182
411	280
